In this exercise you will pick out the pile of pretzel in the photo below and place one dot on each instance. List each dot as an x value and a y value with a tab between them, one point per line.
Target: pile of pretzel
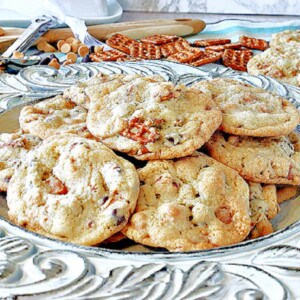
174	48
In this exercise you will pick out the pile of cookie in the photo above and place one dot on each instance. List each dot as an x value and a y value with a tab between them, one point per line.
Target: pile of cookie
281	60
175	167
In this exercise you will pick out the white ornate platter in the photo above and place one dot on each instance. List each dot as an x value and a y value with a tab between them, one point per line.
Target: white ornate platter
35	267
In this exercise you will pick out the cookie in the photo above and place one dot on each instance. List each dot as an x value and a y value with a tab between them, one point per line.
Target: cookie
249	110
193	203
283	65
264	207
97	86
73	189
287	38
265	160
53	116
13	148
154	120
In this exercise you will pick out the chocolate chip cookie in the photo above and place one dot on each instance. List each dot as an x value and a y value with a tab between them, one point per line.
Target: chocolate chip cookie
73	189
249	110
191	203
264	160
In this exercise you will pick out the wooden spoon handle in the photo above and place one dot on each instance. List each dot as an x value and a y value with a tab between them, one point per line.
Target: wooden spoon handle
136	29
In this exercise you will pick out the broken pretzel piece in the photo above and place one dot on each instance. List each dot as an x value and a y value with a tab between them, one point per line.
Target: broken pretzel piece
139	130
207	58
160	39
210	42
253	43
110	55
237	59
220	48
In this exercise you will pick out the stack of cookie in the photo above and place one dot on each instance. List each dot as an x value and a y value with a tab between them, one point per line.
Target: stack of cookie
120	154
257	139
281	60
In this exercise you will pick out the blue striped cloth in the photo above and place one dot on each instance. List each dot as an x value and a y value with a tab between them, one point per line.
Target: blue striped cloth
235	28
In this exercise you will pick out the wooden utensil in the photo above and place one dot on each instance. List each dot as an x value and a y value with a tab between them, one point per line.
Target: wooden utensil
136	29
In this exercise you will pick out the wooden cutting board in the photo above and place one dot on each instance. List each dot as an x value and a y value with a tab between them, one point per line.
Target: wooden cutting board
135	29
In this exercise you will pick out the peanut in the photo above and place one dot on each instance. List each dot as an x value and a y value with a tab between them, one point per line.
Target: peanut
72	57
65	48
83	50
54	63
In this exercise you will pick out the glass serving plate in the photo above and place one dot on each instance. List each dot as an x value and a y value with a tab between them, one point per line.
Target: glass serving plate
33	266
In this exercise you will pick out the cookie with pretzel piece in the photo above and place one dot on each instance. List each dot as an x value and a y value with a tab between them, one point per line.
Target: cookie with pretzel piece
154	120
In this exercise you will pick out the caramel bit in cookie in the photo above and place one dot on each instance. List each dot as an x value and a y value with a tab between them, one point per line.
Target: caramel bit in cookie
172	211
56	187
139	221
137	130
224	214
168	97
